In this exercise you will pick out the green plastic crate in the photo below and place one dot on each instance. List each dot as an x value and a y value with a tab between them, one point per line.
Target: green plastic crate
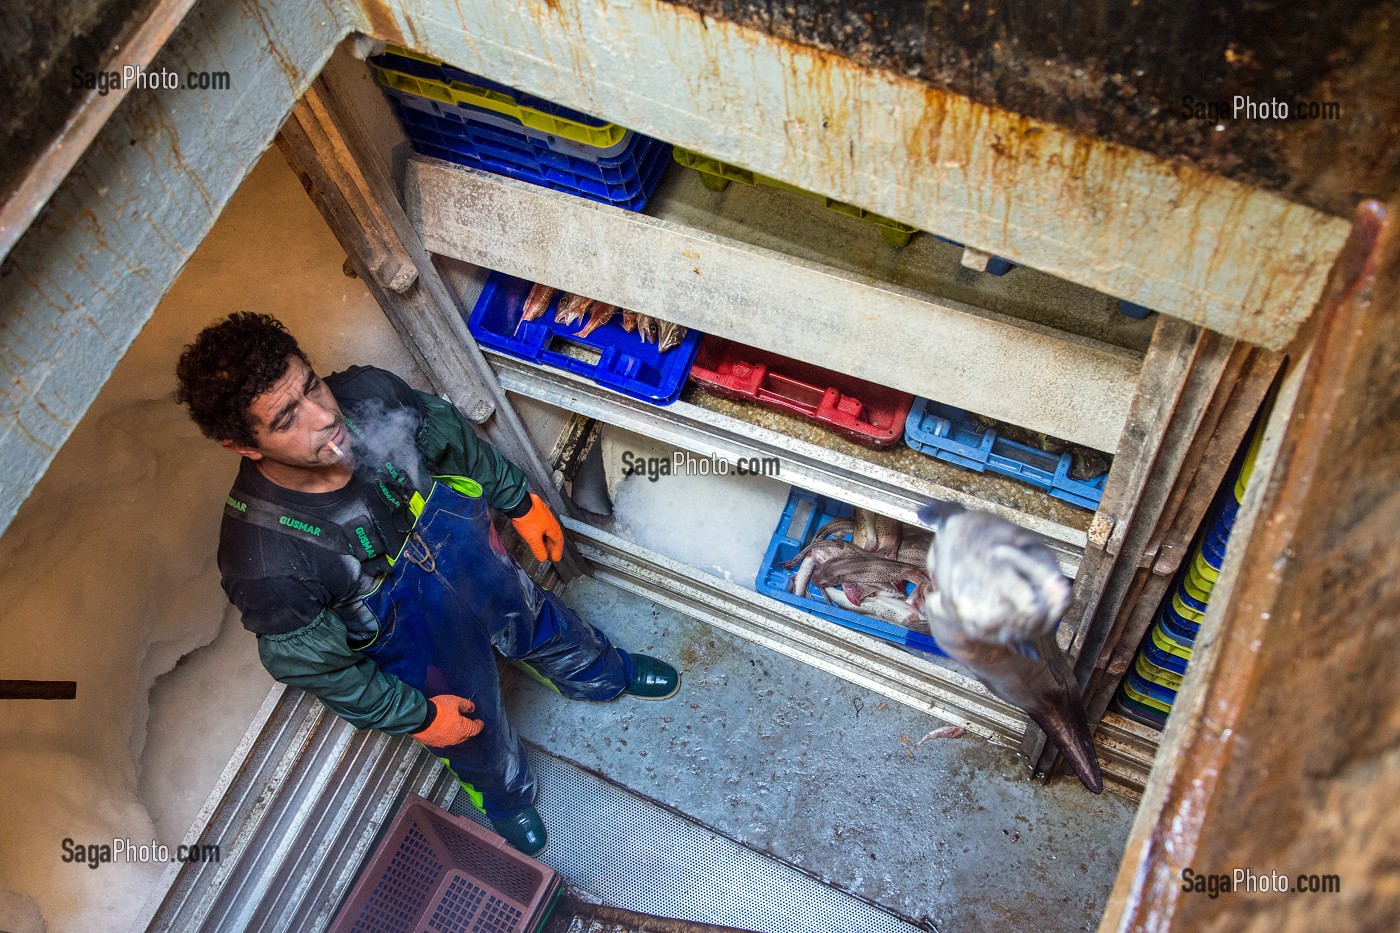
717	175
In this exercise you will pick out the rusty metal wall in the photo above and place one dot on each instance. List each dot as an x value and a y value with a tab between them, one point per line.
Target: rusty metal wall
45	44
1136	71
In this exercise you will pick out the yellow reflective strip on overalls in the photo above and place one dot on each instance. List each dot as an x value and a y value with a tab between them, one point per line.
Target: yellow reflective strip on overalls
415	505
475	796
463	484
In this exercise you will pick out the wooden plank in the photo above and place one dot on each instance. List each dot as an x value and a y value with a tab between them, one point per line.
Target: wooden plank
326	149
1280	754
1158	232
1169	359
38	689
1184	366
1219	438
1067	386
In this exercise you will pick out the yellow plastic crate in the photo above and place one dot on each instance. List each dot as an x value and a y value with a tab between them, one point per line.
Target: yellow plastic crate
1201	567
1169	646
1197	588
1185	611
1198	584
1247	469
456	93
717	175
1145	700
1158	675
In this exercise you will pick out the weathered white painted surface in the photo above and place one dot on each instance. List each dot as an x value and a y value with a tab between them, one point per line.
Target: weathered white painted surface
1068	386
88	273
1167	236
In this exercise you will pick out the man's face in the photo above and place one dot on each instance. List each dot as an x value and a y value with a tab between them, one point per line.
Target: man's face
296	421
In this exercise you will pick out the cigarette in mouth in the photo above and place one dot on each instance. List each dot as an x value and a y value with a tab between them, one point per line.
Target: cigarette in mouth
338	452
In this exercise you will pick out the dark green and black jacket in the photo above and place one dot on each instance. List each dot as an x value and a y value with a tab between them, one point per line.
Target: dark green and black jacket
298	572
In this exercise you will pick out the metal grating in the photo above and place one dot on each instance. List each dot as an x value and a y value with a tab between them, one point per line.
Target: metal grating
631	853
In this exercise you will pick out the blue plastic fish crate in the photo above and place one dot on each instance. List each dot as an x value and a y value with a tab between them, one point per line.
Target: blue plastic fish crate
950	434
624	180
1164	660
803	515
1172	626
616	360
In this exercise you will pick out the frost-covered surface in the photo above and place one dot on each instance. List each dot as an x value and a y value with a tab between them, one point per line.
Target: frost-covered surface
107	577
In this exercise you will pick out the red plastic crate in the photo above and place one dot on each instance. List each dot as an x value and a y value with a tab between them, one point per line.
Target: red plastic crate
860	411
435	871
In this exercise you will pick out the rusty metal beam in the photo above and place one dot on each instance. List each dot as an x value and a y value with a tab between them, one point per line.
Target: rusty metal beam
1281	750
52	165
1217	253
1158	75
324	144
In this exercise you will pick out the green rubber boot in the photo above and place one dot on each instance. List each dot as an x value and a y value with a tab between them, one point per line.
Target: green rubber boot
523	829
652	679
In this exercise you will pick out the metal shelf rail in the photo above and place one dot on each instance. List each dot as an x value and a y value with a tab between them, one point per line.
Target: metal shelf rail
709	433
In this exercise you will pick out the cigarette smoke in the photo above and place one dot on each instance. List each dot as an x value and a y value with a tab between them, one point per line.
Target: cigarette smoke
384	434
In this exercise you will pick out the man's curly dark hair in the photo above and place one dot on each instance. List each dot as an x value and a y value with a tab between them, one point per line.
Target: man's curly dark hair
230	364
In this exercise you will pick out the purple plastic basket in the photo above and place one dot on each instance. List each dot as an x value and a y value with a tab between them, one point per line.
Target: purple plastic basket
434	871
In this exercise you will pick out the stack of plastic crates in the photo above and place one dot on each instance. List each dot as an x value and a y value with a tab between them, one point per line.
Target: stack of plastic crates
1150	686
460	117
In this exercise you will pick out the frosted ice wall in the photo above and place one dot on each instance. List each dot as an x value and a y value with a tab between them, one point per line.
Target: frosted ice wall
107	577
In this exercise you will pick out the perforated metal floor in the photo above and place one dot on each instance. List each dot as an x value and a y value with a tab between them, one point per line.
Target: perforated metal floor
632	853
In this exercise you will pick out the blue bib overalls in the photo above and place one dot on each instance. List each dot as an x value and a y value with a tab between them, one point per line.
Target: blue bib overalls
450	596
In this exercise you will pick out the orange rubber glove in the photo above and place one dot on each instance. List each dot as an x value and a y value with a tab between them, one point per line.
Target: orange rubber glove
541	530
450	725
